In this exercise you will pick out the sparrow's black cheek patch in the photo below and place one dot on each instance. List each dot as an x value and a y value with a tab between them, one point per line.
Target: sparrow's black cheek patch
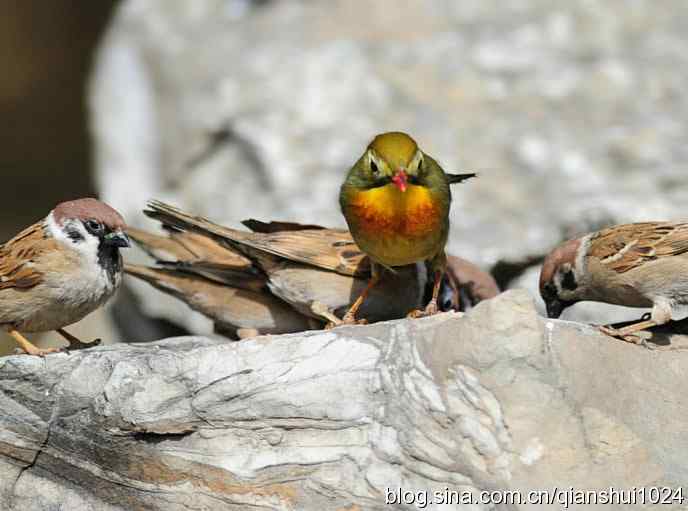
75	235
110	260
568	281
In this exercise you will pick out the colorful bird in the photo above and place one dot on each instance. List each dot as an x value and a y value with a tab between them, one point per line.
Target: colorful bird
396	200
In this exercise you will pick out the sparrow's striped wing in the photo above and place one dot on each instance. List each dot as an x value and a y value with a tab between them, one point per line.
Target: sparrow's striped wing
625	247
18	256
330	249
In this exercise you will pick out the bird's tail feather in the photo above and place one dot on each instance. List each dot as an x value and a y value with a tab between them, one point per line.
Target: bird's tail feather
457	178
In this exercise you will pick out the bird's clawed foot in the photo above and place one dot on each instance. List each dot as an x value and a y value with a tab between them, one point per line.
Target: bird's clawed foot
332	320
623	336
75	343
29	348
430	310
80	345
38	352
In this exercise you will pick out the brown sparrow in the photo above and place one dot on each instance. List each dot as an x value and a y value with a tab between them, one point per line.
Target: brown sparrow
214	280
237	313
60	269
315	270
636	265
466	285
309	267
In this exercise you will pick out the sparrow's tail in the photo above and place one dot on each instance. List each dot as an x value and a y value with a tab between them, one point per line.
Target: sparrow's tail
190	288
330	249
161	248
457	178
197	254
168	281
230	308
176	219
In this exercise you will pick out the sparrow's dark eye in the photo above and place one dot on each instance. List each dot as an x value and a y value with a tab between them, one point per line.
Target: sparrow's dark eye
568	281
94	226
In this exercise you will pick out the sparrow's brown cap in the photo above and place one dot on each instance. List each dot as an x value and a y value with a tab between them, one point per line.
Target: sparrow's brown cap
564	253
87	209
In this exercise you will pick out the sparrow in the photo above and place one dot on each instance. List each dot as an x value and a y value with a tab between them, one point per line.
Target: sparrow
636	265
465	285
396	200
315	270
237	313
60	269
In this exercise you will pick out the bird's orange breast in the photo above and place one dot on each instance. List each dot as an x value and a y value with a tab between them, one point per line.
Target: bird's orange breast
387	212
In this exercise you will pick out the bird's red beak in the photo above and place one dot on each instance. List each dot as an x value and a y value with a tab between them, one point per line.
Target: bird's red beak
399	180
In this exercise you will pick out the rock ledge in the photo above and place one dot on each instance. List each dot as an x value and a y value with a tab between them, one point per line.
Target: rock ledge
497	399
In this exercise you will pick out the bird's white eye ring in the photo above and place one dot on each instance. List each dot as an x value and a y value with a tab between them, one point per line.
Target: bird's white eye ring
93	226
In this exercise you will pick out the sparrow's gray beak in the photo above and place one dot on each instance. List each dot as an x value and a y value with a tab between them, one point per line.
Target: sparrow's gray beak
117	239
555	307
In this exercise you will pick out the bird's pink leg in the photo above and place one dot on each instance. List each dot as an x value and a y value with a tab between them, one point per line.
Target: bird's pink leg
29	347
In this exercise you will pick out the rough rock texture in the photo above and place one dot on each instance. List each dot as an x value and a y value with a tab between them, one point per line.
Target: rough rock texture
572	112
497	399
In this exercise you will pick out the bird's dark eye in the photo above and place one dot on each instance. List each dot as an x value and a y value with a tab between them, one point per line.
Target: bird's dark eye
93	226
568	281
374	169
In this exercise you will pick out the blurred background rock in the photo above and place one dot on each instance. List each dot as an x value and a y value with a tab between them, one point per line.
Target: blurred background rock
572	112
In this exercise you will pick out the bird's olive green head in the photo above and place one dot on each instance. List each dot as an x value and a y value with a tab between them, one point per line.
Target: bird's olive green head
392	157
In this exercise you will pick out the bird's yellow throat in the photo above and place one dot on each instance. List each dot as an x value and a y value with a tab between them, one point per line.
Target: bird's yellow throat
386	211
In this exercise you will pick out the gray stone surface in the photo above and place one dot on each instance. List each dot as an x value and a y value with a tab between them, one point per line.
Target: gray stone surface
496	399
572	112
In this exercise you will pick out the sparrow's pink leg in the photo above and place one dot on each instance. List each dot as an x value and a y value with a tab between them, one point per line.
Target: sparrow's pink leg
626	333
28	347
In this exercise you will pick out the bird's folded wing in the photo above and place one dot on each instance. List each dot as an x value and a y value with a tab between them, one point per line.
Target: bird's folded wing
16	256
626	247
